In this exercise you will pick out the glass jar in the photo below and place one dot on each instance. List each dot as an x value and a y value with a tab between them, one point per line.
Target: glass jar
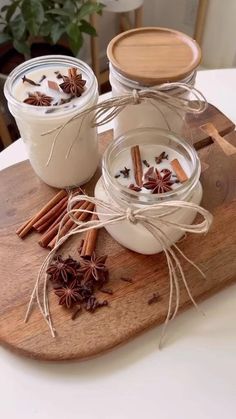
148	58
72	157
109	189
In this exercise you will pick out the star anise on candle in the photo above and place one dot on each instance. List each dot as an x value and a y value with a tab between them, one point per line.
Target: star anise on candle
94	268
158	183
149	173
73	83
38	99
61	271
165	171
69	294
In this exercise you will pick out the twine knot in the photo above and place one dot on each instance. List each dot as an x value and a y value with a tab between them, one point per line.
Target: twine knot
130	216
136	97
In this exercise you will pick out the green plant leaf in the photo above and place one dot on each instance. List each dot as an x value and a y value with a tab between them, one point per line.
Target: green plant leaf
33	13
88	8
4	8
75	37
69	7
56	32
46	27
22	47
4	37
59	12
87	28
11	10
17	27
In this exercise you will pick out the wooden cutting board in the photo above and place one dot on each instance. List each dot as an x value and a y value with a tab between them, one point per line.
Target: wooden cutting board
128	314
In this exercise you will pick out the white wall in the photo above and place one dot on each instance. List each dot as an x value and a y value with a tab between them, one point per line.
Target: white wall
219	41
176	14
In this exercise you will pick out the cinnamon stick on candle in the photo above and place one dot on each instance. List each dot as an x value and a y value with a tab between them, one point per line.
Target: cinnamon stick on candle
179	171
90	240
137	165
81	216
58	197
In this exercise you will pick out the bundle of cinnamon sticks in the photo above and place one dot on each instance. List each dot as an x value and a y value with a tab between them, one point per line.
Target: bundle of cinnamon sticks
48	219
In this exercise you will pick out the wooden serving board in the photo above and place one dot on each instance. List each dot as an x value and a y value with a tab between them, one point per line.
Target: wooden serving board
128	314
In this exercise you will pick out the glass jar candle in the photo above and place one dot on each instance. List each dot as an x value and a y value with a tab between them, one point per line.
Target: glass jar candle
72	157
147	58
117	177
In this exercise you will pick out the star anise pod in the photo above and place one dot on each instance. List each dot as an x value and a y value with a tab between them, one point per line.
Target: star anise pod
149	173
69	294
73	83
38	99
61	271
94	268
158	183
165	171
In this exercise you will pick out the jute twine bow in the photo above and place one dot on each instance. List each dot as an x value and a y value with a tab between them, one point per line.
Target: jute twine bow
107	110
153	218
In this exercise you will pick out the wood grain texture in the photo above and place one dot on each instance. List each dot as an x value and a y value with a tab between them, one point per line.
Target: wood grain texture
197	136
128	313
153	55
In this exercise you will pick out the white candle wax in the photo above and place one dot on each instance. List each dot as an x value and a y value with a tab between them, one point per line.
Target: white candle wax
148	154
22	89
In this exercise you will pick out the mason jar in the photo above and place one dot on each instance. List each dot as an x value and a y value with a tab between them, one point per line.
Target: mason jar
152	58
60	157
115	191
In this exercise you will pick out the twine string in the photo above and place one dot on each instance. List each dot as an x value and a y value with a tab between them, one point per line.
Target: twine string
106	111
152	218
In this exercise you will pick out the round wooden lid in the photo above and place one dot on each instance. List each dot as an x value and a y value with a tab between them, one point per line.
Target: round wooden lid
154	55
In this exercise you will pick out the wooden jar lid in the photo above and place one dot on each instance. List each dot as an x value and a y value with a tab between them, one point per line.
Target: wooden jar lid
154	55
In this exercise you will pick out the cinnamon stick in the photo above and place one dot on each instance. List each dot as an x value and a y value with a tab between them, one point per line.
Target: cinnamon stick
21	228
42	212
51	215
137	165
57	220
52	231
179	171
81	216
90	240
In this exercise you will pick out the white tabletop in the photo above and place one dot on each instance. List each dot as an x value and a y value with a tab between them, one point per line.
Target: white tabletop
193	377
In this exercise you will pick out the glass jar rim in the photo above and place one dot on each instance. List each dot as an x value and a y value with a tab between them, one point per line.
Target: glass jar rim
35	63
140	198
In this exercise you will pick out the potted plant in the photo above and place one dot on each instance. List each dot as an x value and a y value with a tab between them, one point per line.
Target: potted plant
24	22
